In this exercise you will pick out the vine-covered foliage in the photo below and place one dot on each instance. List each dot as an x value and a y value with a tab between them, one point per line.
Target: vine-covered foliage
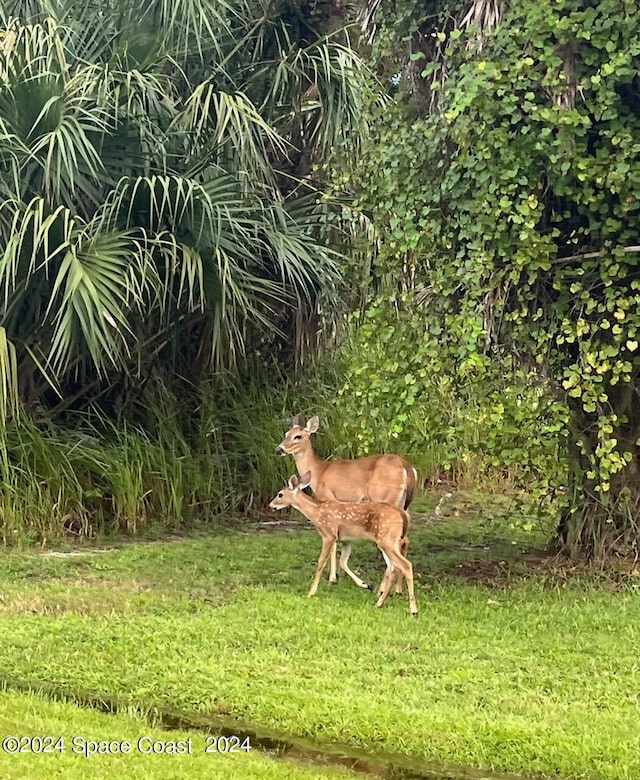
454	418
505	184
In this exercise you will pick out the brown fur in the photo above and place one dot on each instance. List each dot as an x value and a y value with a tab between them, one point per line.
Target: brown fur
384	524
412	484
387	479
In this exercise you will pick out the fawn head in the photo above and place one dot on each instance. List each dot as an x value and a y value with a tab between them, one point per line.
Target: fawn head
286	495
297	437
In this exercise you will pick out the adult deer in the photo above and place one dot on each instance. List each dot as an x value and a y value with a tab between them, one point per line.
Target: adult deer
387	479
384	524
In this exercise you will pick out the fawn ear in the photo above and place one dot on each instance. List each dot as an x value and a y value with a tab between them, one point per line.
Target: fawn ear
313	424
297	421
305	481
293	482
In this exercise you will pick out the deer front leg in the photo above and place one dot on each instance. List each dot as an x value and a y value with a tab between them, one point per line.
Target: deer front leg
328	543
333	572
344	565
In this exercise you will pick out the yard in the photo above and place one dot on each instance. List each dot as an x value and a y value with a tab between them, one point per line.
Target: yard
515	664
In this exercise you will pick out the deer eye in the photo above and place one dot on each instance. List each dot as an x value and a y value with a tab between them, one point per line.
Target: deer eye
280	495
296	437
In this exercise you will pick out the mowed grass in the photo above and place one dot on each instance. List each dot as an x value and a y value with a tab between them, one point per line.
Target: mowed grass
528	672
73	756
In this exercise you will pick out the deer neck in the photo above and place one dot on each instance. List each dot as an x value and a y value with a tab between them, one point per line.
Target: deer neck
307	461
306	505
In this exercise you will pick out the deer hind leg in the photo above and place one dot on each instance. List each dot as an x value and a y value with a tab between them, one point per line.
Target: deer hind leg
383	582
390	573
396	576
328	542
394	573
404	546
344	565
387	579
392	551
394	494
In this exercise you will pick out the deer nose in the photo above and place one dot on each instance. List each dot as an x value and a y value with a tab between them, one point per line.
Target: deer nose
279	450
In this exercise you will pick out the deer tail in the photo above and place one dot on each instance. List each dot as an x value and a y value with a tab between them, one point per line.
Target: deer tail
411	484
406	522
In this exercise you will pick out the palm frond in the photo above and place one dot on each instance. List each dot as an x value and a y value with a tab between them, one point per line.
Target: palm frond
148	152
91	301
9	398
90	293
227	130
315	92
61	120
366	16
485	14
194	28
37	235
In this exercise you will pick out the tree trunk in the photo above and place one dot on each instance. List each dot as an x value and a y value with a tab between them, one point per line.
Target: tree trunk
596	524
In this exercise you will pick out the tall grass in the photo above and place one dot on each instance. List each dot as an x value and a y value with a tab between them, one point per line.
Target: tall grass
195	454
190	457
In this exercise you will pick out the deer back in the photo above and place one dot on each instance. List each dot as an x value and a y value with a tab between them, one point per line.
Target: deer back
387	479
353	520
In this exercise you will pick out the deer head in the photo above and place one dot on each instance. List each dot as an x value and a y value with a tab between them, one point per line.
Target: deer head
286	496
297	437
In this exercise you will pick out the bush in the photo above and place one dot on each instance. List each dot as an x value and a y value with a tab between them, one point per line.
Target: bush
473	420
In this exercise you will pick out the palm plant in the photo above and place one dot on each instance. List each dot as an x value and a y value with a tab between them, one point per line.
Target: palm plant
156	189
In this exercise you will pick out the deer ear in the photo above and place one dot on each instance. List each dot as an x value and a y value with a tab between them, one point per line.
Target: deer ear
305	481
313	424
293	482
297	421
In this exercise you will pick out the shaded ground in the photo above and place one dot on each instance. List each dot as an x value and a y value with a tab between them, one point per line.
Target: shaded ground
552	570
491	538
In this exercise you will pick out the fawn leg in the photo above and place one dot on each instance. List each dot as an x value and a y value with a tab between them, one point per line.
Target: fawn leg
404	566
327	544
404	546
388	572
333	571
344	565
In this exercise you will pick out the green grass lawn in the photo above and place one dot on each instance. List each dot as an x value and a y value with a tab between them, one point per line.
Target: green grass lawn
505	668
75	729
